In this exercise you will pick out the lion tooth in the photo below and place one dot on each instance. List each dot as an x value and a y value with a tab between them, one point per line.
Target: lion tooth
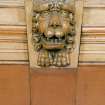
60	39
47	39
51	40
56	40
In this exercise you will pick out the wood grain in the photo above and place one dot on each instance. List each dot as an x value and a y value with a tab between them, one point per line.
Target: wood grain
14	85
94	17
11	3
55	88
87	86
91	85
92	57
12	16
78	28
94	3
15	30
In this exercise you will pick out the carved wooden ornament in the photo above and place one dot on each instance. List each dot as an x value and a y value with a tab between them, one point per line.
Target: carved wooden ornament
53	30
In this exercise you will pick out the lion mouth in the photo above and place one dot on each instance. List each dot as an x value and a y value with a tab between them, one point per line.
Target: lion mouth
53	42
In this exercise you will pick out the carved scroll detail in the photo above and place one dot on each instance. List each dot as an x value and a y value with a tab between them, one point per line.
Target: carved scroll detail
53	32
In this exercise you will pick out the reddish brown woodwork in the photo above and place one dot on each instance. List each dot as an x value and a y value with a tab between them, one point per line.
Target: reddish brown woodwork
14	85
53	88
85	87
91	85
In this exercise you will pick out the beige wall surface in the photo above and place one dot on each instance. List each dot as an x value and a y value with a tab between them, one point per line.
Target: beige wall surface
13	32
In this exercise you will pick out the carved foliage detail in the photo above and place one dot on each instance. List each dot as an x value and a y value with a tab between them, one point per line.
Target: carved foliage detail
53	32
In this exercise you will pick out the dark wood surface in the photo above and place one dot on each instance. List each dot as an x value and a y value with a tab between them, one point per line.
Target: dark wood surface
91	85
53	88
14	85
86	86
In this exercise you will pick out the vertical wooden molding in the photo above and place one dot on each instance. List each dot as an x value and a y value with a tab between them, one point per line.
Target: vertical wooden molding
79	18
77	12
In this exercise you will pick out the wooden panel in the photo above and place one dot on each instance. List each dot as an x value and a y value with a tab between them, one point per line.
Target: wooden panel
13	37
12	16
94	3
14	44
92	38
93	30
12	30
55	88
11	3
91	85
13	56
92	57
92	53
14	86
92	47
94	17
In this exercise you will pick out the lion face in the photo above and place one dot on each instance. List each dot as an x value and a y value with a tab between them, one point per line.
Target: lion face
55	25
53	31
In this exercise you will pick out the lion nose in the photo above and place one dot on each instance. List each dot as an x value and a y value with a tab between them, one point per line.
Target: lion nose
55	21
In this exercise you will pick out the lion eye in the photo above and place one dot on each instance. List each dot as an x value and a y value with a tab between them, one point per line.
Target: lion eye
45	13
65	14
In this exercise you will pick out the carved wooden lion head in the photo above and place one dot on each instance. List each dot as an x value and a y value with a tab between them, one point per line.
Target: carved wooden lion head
53	31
